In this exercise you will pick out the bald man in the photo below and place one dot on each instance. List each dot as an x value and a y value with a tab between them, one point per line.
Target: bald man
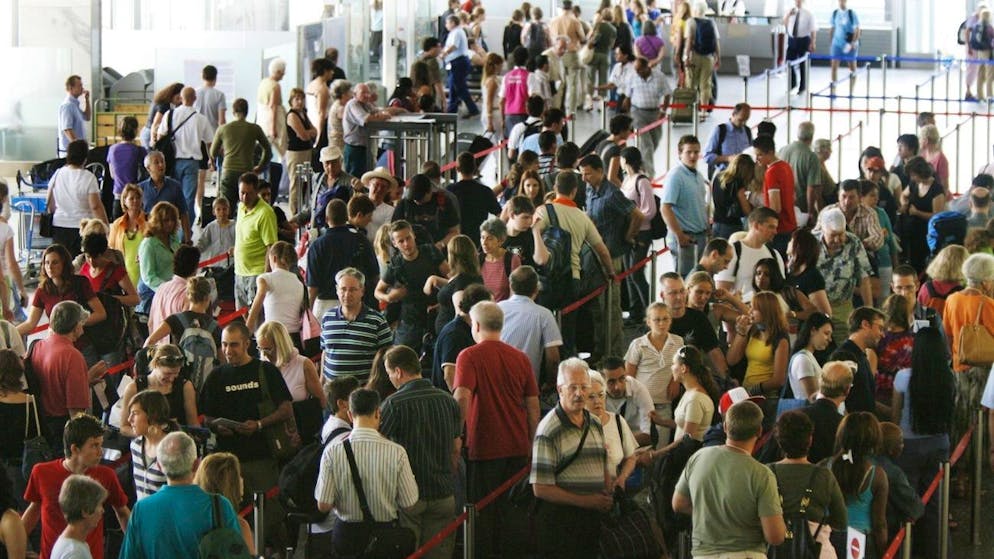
827	410
192	134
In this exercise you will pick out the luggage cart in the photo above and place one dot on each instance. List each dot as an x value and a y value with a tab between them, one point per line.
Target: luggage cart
29	241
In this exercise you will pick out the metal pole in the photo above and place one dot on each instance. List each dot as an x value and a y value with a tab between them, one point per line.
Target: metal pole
696	115
880	127
868	68
978	469
669	141
944	512
906	545
572	128
973	143
931	85
469	532
948	69
898	114
652	275
500	165
883	77
957	153
745	89
807	78
766	74
851	77
259	500
917	89
838	155
790	72
859	127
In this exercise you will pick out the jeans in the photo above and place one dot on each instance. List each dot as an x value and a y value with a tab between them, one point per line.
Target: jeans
510	121
797	48
187	171
458	90
636	284
567	531
69	238
245	289
355	160
686	257
724	230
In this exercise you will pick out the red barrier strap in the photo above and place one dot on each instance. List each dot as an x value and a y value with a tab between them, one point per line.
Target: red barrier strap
453	164
219	258
895	545
617	278
224	320
273	491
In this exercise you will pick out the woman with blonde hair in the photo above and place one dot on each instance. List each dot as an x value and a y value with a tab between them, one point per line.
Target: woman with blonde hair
761	339
464	270
945	273
221	473
493	121
299	373
931	149
155	253
165	364
125	233
280	294
730	192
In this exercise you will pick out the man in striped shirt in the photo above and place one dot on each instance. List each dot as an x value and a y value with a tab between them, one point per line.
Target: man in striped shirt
352	333
569	469
426	421
383	467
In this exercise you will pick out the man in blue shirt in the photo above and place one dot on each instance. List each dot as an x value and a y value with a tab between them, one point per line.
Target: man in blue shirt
456	54
617	220
160	188
684	207
171	523
340	247
71	116
729	139
845	34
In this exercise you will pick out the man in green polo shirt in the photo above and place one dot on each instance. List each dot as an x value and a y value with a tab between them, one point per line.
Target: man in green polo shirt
255	232
237	140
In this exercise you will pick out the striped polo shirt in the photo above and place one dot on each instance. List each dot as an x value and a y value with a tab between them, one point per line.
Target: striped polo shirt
349	346
556	439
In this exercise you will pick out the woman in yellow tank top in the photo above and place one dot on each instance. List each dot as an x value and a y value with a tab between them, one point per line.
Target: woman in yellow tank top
761	339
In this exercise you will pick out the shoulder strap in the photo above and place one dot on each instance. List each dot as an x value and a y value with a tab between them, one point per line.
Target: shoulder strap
367	515
216	510
617	423
550	212
737	245
579	448
335	433
508	256
722	134
263	385
173	132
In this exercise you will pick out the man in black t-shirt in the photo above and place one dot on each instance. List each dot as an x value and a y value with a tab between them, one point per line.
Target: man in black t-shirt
476	200
691	324
520	235
234	392
456	335
404	282
610	148
434	214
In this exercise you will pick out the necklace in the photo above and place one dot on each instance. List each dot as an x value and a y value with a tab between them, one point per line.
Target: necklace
737	449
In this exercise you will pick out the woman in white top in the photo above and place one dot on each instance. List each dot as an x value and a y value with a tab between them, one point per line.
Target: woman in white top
341	92
618	438
280	294
82	502
804	371
299	373
650	358
493	121
73	195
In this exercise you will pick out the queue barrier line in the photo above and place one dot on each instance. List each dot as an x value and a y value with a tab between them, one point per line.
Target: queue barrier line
617	278
270	493
958	452
453	164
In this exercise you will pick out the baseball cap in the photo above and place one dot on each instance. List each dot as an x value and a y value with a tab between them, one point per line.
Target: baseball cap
734	396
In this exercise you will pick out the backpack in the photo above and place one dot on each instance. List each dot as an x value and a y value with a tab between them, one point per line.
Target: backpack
800	543
979	39
962	34
727	209
849	36
300	475
944	229
536	39
657	226
558	269
107	334
937	300
722	134
199	347
221	542
531	130
774	253
705	37
342	192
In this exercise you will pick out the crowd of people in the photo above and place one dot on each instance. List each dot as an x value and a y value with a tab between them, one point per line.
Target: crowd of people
804	366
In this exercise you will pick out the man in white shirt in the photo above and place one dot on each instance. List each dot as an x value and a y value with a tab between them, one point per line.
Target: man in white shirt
751	249
629	398
191	130
801	36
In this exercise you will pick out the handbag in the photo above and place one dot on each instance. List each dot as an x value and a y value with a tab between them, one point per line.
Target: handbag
282	436
385	542
657	226
36	449
800	542
976	345
630	532
165	144
586	54
787	400
310	328
45	224
521	493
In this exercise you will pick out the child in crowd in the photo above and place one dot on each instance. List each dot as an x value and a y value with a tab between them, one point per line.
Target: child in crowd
520	239
903	503
218	237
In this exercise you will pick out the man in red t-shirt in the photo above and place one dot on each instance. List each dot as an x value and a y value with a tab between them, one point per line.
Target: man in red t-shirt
498	395
84	437
778	189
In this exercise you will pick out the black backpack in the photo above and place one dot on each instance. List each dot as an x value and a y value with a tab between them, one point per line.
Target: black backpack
774	253
800	542
727	209
979	39
722	134
536	40
705	37
558	269
221	542
106	335
299	477
657	225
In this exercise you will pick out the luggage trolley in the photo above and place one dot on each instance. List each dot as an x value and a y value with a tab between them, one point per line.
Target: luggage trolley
29	239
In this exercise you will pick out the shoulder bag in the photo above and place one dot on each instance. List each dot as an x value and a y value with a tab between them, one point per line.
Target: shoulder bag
36	449
976	345
521	493
282	436
800	542
385	542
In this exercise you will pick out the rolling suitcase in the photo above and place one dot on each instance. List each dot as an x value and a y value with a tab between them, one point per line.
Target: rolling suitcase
686	97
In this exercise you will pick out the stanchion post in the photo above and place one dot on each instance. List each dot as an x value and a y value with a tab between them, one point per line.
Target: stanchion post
766	74
898	115
500	165
944	512
883	76
697	116
931	87
880	127
973	143
978	470
259	501
469	532
807	78
603	113
956	164
948	69
838	155
859	127
652	271
669	141
918	87
906	544
572	128
852	80
745	88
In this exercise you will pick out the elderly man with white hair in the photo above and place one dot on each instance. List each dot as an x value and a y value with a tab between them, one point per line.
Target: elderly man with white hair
358	111
569	469
171	522
807	170
271	114
845	266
